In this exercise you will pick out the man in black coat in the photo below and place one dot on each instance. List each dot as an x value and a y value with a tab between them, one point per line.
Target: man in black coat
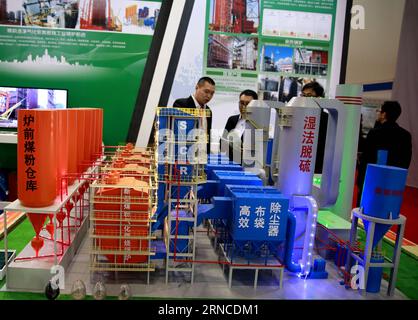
386	135
204	91
238	121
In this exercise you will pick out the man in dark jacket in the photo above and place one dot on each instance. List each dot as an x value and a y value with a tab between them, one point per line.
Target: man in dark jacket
238	121
389	136
204	91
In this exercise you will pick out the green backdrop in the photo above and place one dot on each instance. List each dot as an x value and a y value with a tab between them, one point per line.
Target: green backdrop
101	69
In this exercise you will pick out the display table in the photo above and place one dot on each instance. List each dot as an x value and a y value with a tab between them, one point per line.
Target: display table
32	273
8	137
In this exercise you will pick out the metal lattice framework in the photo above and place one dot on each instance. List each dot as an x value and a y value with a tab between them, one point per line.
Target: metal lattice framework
181	176
123	201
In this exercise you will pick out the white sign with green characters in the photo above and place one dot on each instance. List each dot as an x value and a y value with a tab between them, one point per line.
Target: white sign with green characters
273	46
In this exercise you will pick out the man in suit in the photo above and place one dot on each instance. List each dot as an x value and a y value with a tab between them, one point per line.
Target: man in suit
204	91
387	135
237	121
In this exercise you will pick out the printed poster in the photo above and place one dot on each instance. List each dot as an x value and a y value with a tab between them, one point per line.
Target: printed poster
95	49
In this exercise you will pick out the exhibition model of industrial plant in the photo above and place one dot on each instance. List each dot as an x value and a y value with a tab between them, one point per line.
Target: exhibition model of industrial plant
171	221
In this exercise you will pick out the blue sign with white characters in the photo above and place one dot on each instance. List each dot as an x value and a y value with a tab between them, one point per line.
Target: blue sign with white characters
259	215
185	172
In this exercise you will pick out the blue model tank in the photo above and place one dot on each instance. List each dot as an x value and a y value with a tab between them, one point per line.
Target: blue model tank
382	195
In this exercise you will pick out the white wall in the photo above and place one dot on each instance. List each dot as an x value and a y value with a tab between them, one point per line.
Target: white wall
373	52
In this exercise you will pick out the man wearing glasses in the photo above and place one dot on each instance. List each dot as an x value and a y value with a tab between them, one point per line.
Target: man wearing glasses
204	92
237	123
386	135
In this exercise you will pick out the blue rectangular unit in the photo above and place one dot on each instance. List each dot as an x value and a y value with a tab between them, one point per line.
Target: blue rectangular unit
230	188
259	216
226	173
210	168
236	178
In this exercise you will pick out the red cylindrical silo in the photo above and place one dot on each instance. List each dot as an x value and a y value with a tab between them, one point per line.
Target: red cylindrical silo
100	130
93	152
72	145
37	161
88	133
81	134
62	148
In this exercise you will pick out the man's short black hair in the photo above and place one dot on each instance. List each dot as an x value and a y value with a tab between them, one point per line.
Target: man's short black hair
316	87
249	93
392	109
202	81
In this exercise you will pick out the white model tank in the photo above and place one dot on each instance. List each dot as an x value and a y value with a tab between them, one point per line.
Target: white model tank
298	141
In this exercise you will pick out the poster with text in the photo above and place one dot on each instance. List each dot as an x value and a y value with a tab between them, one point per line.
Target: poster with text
273	47
95	49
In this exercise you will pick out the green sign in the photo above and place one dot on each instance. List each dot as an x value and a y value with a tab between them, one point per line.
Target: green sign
97	50
273	46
